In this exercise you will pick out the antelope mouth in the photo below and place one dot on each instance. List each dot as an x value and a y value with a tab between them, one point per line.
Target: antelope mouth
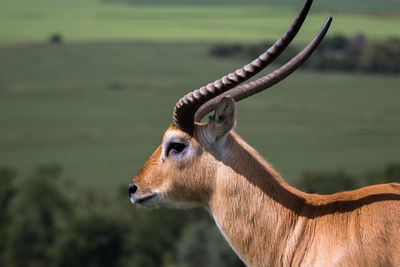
143	198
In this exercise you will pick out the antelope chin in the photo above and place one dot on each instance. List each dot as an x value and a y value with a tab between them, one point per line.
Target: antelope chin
150	199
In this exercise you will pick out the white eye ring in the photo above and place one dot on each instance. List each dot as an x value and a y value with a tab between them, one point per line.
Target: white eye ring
175	148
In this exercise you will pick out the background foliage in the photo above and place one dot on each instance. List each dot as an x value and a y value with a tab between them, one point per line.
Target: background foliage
337	53
46	223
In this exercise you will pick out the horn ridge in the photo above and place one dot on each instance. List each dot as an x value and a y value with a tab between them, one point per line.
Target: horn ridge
243	91
186	107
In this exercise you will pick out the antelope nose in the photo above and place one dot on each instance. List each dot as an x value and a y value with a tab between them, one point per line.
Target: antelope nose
132	189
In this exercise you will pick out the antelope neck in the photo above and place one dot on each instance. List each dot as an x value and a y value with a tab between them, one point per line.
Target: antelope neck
253	206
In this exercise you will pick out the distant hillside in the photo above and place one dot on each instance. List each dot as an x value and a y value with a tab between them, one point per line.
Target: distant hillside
340	5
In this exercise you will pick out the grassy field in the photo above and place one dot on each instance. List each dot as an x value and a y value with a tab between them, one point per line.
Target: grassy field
99	110
24	21
338	5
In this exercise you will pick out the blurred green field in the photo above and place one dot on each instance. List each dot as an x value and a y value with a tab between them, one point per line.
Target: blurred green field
25	21
338	5
99	110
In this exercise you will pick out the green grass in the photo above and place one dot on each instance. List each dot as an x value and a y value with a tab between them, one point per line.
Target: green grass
100	110
338	5
24	21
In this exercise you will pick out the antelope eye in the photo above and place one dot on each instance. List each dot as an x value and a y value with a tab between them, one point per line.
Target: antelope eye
175	148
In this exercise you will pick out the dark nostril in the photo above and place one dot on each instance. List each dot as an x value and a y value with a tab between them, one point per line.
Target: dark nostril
132	189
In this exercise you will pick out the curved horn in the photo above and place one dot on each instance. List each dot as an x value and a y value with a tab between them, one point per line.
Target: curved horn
186	107
240	92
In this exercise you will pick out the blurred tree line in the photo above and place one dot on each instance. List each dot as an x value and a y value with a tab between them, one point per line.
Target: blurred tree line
351	54
45	221
323	182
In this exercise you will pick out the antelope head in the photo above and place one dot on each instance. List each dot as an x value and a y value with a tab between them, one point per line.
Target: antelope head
184	168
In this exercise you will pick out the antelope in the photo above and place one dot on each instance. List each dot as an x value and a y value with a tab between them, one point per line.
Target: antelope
265	220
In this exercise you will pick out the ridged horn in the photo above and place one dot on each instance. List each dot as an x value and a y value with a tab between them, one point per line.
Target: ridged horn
242	91
185	109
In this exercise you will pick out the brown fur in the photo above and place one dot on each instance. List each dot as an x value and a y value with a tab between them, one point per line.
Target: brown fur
268	222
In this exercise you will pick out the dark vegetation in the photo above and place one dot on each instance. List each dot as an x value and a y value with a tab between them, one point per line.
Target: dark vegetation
42	223
56	38
338	53
335	181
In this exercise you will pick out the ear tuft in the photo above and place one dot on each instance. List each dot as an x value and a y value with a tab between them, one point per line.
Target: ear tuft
224	118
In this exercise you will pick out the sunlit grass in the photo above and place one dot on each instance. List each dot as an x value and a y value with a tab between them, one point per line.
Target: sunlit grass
82	21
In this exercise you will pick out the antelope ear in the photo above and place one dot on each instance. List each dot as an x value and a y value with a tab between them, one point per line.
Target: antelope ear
224	118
